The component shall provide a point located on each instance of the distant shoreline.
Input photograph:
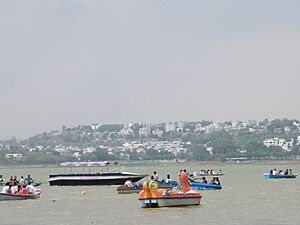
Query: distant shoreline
(143, 163)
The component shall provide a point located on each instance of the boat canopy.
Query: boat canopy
(86, 164)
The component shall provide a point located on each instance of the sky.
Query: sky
(78, 62)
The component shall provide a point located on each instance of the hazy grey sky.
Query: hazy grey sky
(77, 62)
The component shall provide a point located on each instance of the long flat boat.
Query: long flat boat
(9, 197)
(278, 176)
(104, 178)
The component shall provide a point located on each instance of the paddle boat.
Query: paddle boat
(204, 173)
(152, 196)
(279, 176)
(196, 185)
(10, 197)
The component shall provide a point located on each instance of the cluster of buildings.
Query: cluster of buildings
(122, 140)
(180, 127)
(282, 143)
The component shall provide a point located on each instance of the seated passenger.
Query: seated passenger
(6, 188)
(129, 183)
(155, 175)
(23, 190)
(28, 179)
(274, 172)
(168, 180)
(14, 189)
(151, 179)
(30, 188)
(217, 181)
(290, 173)
(191, 177)
(22, 181)
(204, 180)
(286, 172)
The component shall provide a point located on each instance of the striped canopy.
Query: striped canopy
(85, 164)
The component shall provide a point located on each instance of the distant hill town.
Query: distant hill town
(172, 141)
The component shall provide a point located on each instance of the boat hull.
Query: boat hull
(271, 176)
(93, 179)
(169, 202)
(8, 197)
(203, 186)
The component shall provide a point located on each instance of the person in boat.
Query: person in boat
(274, 172)
(185, 184)
(23, 190)
(155, 175)
(30, 188)
(286, 172)
(15, 179)
(151, 179)
(290, 173)
(271, 172)
(7, 188)
(14, 188)
(28, 179)
(1, 178)
(22, 181)
(204, 180)
(129, 183)
(179, 186)
(168, 180)
(217, 181)
(191, 177)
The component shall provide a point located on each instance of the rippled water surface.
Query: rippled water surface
(246, 198)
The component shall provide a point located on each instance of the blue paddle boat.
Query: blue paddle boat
(195, 185)
(278, 176)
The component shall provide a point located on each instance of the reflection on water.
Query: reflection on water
(246, 198)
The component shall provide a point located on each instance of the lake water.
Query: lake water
(246, 198)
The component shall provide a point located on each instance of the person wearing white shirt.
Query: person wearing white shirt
(30, 188)
(14, 189)
(168, 180)
(129, 183)
(6, 189)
